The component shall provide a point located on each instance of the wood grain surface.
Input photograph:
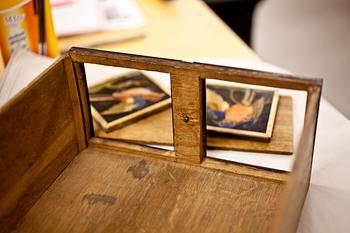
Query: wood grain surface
(80, 78)
(38, 139)
(103, 191)
(204, 71)
(220, 165)
(158, 129)
(75, 101)
(233, 75)
(187, 114)
(120, 187)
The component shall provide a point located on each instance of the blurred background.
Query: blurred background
(309, 38)
(306, 37)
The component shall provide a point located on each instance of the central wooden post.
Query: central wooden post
(188, 99)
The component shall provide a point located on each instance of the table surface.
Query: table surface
(179, 29)
(175, 29)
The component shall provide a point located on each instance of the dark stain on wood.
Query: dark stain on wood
(93, 198)
(139, 170)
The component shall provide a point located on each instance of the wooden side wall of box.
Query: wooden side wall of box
(41, 131)
(298, 185)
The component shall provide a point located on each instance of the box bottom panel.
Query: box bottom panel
(108, 191)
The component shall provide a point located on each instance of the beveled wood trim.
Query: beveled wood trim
(75, 101)
(80, 76)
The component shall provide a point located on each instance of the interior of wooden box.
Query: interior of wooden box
(56, 177)
(104, 190)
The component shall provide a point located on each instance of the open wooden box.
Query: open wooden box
(56, 177)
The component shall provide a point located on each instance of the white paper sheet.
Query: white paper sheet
(85, 16)
(78, 17)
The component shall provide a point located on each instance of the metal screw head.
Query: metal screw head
(185, 118)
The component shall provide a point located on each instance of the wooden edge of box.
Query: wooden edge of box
(292, 204)
(150, 152)
(52, 134)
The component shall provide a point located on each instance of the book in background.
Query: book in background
(27, 24)
(23, 67)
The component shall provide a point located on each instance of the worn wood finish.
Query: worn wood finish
(151, 152)
(133, 149)
(227, 74)
(157, 129)
(38, 139)
(246, 170)
(117, 186)
(80, 78)
(298, 185)
(202, 70)
(103, 191)
(187, 115)
(75, 101)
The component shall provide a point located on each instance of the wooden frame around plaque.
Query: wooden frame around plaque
(261, 129)
(132, 112)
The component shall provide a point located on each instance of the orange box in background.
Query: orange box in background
(20, 21)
